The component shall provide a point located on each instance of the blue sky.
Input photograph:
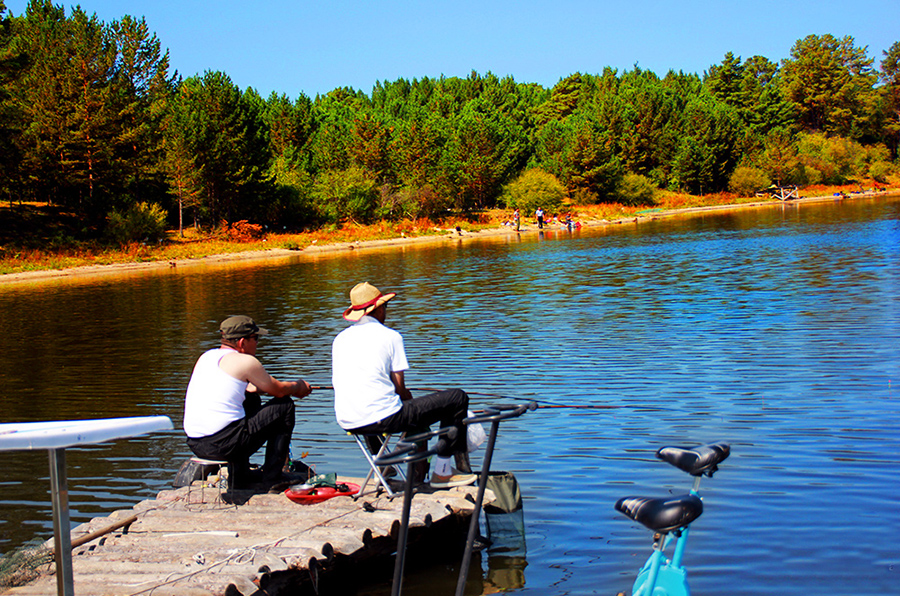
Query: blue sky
(295, 47)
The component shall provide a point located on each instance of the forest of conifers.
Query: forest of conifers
(93, 120)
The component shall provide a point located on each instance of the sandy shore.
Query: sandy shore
(279, 254)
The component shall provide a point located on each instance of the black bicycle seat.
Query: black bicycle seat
(662, 515)
(696, 461)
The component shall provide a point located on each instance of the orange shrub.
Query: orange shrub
(244, 231)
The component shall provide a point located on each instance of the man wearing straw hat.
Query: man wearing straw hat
(370, 395)
(224, 418)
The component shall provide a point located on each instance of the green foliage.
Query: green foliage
(292, 203)
(831, 83)
(416, 150)
(534, 188)
(745, 181)
(830, 160)
(221, 131)
(881, 170)
(482, 153)
(643, 116)
(413, 203)
(752, 88)
(290, 123)
(563, 100)
(707, 153)
(140, 222)
(345, 195)
(12, 63)
(582, 155)
(89, 97)
(635, 189)
(890, 77)
(780, 159)
(692, 171)
(369, 144)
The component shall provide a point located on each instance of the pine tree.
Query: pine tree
(12, 63)
(91, 124)
(143, 88)
(40, 99)
(890, 77)
(831, 82)
(223, 132)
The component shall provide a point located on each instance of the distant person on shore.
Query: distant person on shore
(539, 214)
(224, 417)
(569, 221)
(370, 394)
(516, 218)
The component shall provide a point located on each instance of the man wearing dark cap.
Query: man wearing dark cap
(223, 415)
(370, 395)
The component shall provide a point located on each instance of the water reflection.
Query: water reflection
(776, 330)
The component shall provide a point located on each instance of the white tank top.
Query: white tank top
(214, 399)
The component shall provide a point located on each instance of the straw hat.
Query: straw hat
(364, 298)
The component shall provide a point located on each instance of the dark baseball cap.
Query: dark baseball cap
(240, 326)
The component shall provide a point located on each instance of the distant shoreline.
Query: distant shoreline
(96, 271)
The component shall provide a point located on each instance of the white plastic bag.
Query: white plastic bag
(475, 434)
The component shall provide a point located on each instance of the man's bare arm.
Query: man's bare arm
(247, 368)
(400, 386)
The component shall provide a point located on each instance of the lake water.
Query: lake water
(775, 329)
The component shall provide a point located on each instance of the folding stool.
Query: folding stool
(373, 469)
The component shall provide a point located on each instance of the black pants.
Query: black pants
(448, 407)
(271, 424)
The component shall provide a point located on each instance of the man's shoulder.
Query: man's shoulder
(238, 365)
(367, 333)
(368, 326)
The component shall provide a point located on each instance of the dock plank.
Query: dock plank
(183, 545)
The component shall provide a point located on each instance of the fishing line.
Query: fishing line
(542, 403)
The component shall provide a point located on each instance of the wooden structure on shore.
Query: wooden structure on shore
(782, 193)
(191, 542)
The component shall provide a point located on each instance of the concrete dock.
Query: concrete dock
(193, 542)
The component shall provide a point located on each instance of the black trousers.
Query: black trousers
(448, 407)
(271, 424)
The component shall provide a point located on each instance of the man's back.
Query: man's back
(363, 357)
(214, 398)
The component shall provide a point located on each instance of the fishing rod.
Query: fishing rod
(540, 402)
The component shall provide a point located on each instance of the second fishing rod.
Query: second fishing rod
(542, 403)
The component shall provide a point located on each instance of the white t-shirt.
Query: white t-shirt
(363, 356)
(214, 399)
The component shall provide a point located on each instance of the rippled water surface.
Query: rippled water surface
(776, 330)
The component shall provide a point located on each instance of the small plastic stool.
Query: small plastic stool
(222, 478)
